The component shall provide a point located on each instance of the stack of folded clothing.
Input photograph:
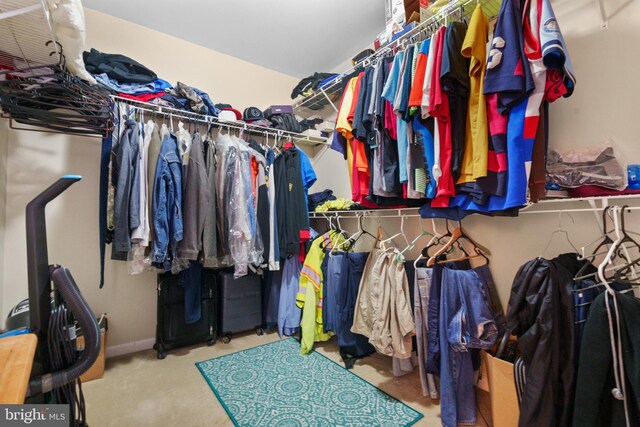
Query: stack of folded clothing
(123, 75)
(130, 79)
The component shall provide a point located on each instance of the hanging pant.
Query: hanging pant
(466, 322)
(422, 286)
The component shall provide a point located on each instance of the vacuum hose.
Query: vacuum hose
(78, 307)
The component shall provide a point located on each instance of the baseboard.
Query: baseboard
(130, 347)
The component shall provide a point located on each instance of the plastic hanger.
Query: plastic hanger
(385, 241)
(435, 237)
(456, 235)
(347, 240)
(412, 244)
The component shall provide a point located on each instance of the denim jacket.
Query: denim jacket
(126, 216)
(167, 201)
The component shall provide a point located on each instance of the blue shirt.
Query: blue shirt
(423, 132)
(554, 49)
(391, 86)
(508, 73)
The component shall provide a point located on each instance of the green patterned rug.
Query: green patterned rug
(273, 385)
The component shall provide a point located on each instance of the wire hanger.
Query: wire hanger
(562, 231)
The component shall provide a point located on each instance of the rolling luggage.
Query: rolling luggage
(240, 304)
(172, 331)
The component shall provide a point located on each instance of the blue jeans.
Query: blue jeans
(352, 268)
(433, 316)
(466, 322)
(332, 273)
(273, 282)
(191, 281)
(289, 315)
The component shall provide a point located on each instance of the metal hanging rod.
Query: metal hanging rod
(409, 212)
(449, 9)
(211, 120)
(376, 213)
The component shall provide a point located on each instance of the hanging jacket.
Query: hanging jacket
(290, 201)
(126, 215)
(210, 244)
(222, 145)
(167, 203)
(262, 198)
(540, 313)
(595, 403)
(382, 310)
(310, 291)
(274, 244)
(196, 199)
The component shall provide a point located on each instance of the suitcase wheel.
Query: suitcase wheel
(161, 351)
(259, 331)
(211, 341)
(226, 339)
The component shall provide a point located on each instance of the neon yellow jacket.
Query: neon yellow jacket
(309, 297)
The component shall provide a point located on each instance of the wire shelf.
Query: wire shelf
(27, 40)
(457, 9)
(298, 138)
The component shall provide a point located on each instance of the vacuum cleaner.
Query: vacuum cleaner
(56, 312)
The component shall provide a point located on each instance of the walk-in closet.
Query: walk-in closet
(298, 213)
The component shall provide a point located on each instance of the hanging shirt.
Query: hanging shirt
(454, 78)
(436, 172)
(423, 135)
(439, 108)
(350, 145)
(415, 96)
(343, 127)
(402, 111)
(554, 48)
(474, 163)
(343, 131)
(506, 74)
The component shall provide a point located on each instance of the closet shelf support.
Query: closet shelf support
(603, 14)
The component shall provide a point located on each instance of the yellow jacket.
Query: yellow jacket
(309, 297)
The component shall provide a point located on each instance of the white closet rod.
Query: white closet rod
(397, 213)
(210, 120)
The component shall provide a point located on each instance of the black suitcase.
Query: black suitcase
(240, 304)
(171, 329)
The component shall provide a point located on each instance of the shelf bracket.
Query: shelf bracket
(596, 210)
(329, 99)
(603, 15)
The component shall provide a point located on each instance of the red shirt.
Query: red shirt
(439, 108)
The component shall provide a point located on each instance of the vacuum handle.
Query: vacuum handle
(80, 309)
(53, 191)
(38, 261)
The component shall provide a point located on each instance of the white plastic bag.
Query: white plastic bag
(602, 165)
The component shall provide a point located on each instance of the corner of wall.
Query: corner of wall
(4, 144)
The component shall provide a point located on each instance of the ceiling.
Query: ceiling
(295, 37)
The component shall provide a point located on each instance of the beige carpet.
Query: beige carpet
(139, 390)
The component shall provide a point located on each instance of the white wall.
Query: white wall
(36, 159)
(604, 105)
